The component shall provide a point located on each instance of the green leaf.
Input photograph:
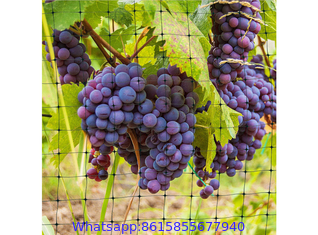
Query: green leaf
(140, 15)
(121, 16)
(204, 139)
(61, 14)
(99, 9)
(60, 141)
(269, 17)
(161, 59)
(185, 6)
(201, 17)
(119, 37)
(146, 55)
(222, 119)
(203, 134)
(271, 4)
(151, 7)
(47, 228)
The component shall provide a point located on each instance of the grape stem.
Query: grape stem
(269, 122)
(261, 45)
(99, 40)
(102, 49)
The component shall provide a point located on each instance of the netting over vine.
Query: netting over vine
(160, 115)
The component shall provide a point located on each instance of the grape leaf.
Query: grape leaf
(60, 141)
(99, 9)
(146, 55)
(224, 119)
(269, 17)
(161, 61)
(151, 7)
(61, 14)
(201, 17)
(140, 15)
(119, 37)
(185, 6)
(220, 121)
(271, 4)
(204, 139)
(121, 16)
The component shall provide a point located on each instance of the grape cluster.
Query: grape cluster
(73, 63)
(159, 110)
(252, 97)
(100, 161)
(234, 29)
(264, 95)
(109, 102)
(169, 127)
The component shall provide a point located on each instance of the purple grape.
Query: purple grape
(162, 160)
(138, 83)
(172, 115)
(161, 125)
(122, 79)
(145, 107)
(135, 71)
(163, 104)
(149, 120)
(153, 186)
(163, 91)
(108, 80)
(115, 103)
(127, 95)
(165, 79)
(150, 174)
(116, 117)
(173, 127)
(215, 184)
(65, 37)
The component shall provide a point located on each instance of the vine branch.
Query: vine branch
(261, 45)
(107, 56)
(99, 40)
(269, 122)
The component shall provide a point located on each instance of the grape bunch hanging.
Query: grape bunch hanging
(235, 26)
(244, 88)
(73, 63)
(158, 110)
